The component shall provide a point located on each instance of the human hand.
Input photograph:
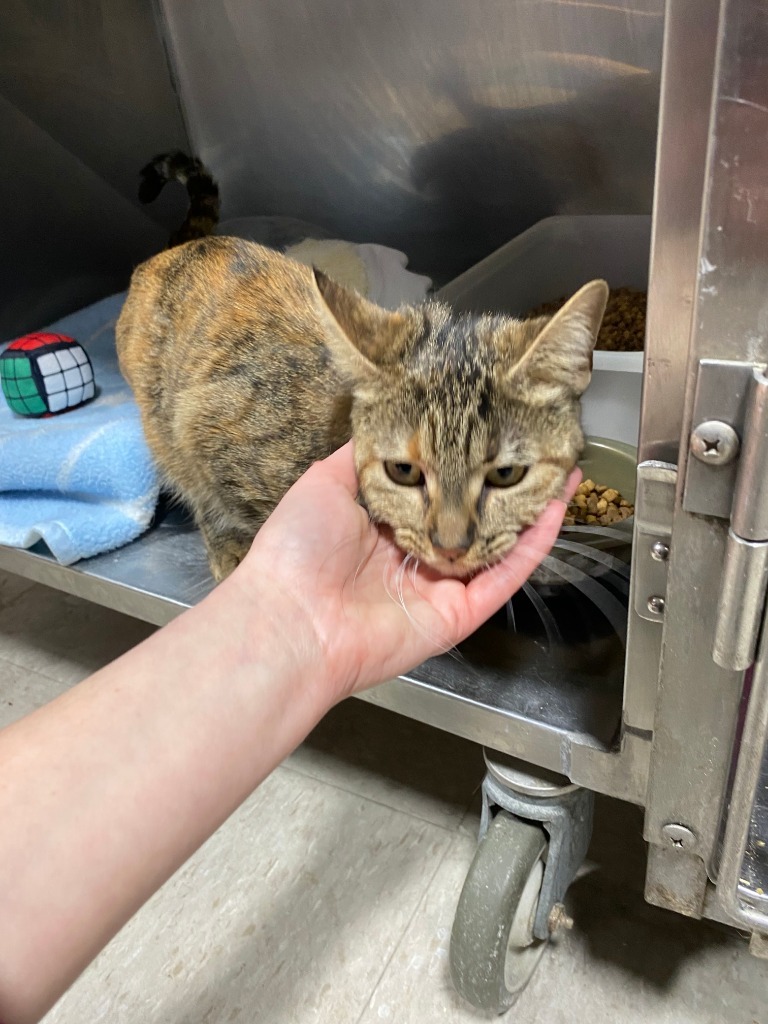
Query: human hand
(358, 609)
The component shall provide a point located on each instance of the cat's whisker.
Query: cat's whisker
(399, 575)
(511, 623)
(414, 570)
(399, 579)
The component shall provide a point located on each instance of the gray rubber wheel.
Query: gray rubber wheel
(493, 951)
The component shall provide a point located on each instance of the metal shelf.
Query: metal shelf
(520, 684)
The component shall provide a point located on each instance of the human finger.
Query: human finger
(488, 591)
(340, 467)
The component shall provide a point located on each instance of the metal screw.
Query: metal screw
(715, 443)
(679, 836)
(559, 918)
(656, 604)
(660, 551)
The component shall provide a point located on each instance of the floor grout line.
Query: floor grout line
(37, 672)
(450, 829)
(404, 932)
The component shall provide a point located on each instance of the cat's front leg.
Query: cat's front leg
(226, 548)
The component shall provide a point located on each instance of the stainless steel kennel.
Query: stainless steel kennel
(446, 129)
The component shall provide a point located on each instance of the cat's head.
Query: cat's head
(464, 426)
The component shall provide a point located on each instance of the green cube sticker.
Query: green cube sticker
(10, 388)
(27, 387)
(35, 406)
(20, 368)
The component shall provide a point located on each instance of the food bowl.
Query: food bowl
(592, 551)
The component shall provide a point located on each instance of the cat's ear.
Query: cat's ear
(559, 359)
(362, 336)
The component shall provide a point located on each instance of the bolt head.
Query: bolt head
(660, 551)
(715, 443)
(656, 604)
(679, 836)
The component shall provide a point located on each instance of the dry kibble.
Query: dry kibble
(623, 326)
(597, 505)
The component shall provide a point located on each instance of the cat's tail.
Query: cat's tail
(203, 213)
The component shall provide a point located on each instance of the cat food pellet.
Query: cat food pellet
(623, 327)
(597, 505)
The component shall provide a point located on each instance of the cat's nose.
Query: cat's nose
(454, 552)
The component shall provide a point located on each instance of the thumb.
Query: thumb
(338, 467)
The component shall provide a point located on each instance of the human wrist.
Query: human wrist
(271, 629)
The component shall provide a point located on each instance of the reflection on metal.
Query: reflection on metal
(441, 127)
(741, 602)
(750, 502)
(85, 99)
(744, 898)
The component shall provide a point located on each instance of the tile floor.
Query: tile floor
(328, 898)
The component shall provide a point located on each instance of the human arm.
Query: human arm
(106, 791)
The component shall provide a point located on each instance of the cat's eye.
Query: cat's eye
(505, 476)
(406, 473)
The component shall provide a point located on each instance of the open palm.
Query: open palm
(375, 613)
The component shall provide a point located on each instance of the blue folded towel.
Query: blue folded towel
(83, 481)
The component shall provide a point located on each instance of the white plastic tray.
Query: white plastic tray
(554, 258)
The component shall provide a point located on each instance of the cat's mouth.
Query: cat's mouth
(455, 564)
(456, 569)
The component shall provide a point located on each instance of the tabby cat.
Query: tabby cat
(248, 367)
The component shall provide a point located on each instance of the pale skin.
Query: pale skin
(107, 790)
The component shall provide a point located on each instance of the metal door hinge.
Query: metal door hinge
(745, 567)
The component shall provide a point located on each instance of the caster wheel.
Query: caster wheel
(493, 950)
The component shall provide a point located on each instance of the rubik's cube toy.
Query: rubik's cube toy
(43, 374)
